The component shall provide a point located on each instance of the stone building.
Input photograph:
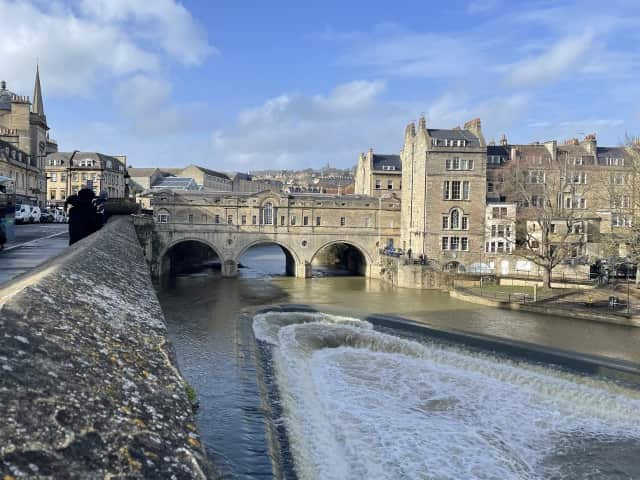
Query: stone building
(207, 180)
(444, 193)
(596, 186)
(246, 183)
(23, 125)
(378, 174)
(16, 164)
(68, 172)
(500, 238)
(141, 179)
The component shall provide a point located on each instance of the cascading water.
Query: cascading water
(358, 403)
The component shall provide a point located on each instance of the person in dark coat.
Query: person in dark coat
(83, 216)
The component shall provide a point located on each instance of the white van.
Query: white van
(27, 214)
(23, 214)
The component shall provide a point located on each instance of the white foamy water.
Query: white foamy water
(361, 404)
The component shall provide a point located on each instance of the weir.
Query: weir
(360, 403)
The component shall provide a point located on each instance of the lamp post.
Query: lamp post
(628, 291)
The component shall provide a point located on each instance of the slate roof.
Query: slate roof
(498, 150)
(141, 172)
(380, 161)
(100, 159)
(620, 152)
(208, 171)
(455, 134)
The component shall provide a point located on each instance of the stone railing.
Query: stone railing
(89, 386)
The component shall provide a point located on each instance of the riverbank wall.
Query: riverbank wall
(395, 272)
(546, 309)
(90, 386)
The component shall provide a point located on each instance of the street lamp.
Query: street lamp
(627, 265)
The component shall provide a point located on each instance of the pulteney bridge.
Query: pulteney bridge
(227, 224)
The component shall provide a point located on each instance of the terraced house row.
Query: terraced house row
(471, 205)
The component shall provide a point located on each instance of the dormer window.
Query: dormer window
(85, 162)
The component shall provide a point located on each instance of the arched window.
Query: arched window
(266, 214)
(455, 219)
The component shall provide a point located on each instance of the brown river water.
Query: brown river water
(217, 353)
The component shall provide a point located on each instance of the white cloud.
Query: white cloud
(563, 57)
(395, 51)
(163, 21)
(295, 130)
(148, 110)
(83, 48)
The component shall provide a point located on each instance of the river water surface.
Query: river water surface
(376, 405)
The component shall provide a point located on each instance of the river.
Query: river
(216, 352)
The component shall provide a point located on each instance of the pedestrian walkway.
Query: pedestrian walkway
(27, 252)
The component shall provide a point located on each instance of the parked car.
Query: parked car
(46, 216)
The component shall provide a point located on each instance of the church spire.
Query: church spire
(37, 106)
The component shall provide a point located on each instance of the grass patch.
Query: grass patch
(192, 396)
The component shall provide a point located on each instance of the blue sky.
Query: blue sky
(283, 84)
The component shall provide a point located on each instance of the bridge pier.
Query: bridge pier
(303, 270)
(229, 268)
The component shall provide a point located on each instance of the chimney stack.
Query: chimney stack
(591, 143)
(422, 123)
(503, 140)
(475, 127)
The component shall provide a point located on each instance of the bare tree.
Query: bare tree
(551, 198)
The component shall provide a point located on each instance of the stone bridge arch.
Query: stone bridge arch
(360, 248)
(163, 261)
(296, 264)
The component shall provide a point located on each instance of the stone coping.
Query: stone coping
(89, 386)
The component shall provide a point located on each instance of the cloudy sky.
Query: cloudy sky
(280, 84)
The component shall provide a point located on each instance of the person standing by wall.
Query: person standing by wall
(83, 216)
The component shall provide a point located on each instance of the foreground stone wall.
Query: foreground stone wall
(88, 382)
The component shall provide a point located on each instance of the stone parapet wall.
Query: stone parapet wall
(89, 386)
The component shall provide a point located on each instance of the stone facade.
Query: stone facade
(16, 164)
(23, 125)
(444, 193)
(301, 224)
(68, 172)
(500, 238)
(208, 180)
(378, 175)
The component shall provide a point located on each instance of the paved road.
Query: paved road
(33, 245)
